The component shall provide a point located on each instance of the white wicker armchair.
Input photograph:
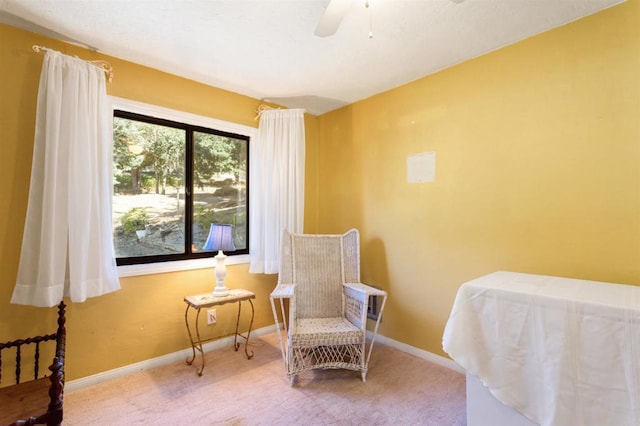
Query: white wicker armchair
(320, 277)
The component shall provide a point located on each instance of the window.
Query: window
(174, 175)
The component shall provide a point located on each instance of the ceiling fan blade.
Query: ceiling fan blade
(332, 17)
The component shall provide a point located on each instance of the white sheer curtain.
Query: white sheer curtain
(277, 194)
(67, 247)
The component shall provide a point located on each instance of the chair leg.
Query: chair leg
(364, 377)
(292, 380)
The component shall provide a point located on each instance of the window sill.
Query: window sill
(176, 266)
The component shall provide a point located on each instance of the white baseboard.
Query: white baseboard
(420, 353)
(148, 364)
(182, 355)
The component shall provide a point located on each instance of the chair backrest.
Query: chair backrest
(319, 265)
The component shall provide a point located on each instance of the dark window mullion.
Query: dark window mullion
(188, 199)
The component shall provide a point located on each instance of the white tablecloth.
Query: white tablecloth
(560, 351)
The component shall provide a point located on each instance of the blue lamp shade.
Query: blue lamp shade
(220, 238)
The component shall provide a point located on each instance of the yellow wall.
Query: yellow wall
(146, 318)
(537, 170)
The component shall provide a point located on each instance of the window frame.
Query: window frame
(197, 262)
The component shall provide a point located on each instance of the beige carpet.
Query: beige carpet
(401, 389)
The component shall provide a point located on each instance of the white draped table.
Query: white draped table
(559, 351)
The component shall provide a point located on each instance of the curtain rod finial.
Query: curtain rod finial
(262, 108)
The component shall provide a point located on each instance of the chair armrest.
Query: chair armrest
(362, 291)
(283, 291)
(357, 301)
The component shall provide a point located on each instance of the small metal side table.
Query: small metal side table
(206, 300)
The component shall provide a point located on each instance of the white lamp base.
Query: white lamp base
(221, 272)
(220, 291)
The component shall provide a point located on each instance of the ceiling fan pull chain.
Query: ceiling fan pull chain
(366, 4)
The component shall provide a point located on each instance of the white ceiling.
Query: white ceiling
(267, 49)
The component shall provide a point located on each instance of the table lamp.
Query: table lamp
(220, 238)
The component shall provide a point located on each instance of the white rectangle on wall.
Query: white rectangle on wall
(421, 167)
